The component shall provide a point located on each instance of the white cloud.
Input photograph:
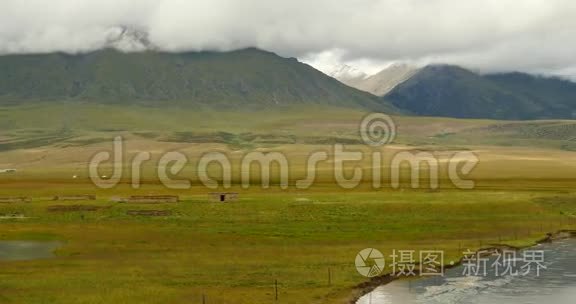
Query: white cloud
(530, 35)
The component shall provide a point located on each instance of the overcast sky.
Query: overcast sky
(489, 35)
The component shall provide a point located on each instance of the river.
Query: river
(555, 285)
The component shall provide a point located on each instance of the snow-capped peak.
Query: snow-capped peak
(128, 39)
(345, 72)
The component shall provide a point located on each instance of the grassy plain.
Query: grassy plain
(233, 253)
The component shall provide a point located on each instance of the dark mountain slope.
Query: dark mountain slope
(452, 91)
(557, 97)
(455, 92)
(231, 79)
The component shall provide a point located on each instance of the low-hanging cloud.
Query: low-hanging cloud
(491, 35)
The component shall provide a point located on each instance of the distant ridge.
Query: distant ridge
(378, 84)
(386, 80)
(452, 91)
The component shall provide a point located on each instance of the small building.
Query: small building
(224, 197)
(8, 170)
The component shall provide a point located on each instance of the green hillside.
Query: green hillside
(232, 79)
(451, 91)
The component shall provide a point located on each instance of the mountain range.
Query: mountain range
(237, 79)
(453, 91)
(253, 78)
(132, 70)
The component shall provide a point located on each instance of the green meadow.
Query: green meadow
(301, 241)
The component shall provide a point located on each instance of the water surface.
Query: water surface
(555, 285)
(26, 250)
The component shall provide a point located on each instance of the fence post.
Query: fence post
(276, 289)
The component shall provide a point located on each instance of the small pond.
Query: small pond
(27, 250)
